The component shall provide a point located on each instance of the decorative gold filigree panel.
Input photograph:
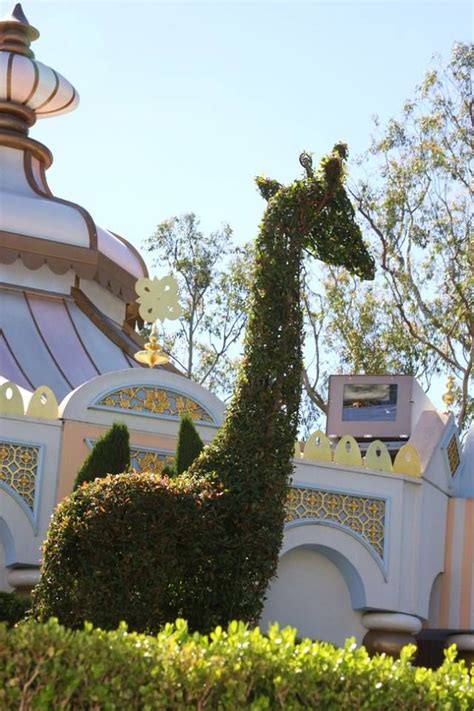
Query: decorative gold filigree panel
(19, 469)
(362, 514)
(155, 401)
(149, 461)
(452, 452)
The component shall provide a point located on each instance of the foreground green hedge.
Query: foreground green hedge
(49, 667)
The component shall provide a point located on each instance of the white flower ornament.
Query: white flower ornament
(158, 299)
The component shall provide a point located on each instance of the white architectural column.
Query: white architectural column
(389, 632)
(465, 645)
(23, 579)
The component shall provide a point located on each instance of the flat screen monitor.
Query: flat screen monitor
(370, 402)
(374, 405)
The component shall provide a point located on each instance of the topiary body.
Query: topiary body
(122, 547)
(238, 485)
(109, 455)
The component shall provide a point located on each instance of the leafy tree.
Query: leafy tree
(213, 277)
(418, 316)
(109, 455)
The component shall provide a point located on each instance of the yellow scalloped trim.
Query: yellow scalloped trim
(43, 404)
(378, 457)
(407, 461)
(318, 448)
(347, 452)
(11, 401)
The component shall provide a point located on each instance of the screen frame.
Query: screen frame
(400, 427)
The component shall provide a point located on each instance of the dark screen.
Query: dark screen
(370, 402)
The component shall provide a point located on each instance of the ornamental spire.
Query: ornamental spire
(28, 89)
(16, 33)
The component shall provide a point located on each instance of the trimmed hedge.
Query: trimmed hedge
(13, 607)
(188, 448)
(190, 444)
(130, 547)
(48, 667)
(109, 455)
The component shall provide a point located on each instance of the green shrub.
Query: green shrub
(13, 607)
(48, 667)
(188, 448)
(109, 554)
(189, 445)
(109, 455)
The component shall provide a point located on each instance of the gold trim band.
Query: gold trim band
(14, 140)
(16, 117)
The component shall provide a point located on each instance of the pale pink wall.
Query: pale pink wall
(456, 606)
(75, 449)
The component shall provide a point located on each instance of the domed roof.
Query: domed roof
(68, 301)
(36, 226)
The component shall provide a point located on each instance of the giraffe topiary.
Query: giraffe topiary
(231, 501)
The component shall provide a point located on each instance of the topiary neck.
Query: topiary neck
(271, 370)
(262, 419)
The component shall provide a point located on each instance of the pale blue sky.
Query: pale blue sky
(183, 103)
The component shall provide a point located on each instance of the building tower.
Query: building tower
(67, 285)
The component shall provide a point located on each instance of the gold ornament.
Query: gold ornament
(152, 355)
(449, 397)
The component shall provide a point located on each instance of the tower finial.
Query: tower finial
(16, 33)
(26, 91)
(18, 14)
(449, 397)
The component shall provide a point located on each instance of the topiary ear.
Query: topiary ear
(342, 150)
(268, 187)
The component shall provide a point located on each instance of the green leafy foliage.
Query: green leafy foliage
(13, 607)
(109, 455)
(189, 445)
(206, 544)
(366, 331)
(47, 667)
(126, 547)
(213, 278)
(415, 203)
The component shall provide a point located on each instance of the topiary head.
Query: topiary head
(317, 208)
